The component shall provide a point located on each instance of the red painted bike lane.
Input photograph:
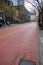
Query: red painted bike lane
(20, 42)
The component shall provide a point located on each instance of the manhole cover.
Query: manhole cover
(25, 62)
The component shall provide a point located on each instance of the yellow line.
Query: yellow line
(5, 36)
(8, 34)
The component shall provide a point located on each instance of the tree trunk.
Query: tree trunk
(40, 20)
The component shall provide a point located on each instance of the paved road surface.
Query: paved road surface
(19, 42)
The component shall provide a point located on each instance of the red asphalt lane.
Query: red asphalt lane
(19, 42)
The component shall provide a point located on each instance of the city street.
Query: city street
(21, 32)
(19, 42)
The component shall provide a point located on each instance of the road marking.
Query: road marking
(8, 34)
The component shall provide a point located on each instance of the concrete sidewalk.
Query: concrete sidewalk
(41, 45)
(7, 26)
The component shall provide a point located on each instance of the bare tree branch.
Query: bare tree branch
(38, 6)
(33, 5)
(38, 3)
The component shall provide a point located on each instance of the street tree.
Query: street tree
(38, 5)
(8, 10)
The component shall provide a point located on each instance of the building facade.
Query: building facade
(9, 2)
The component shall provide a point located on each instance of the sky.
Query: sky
(16, 2)
(30, 8)
(27, 5)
